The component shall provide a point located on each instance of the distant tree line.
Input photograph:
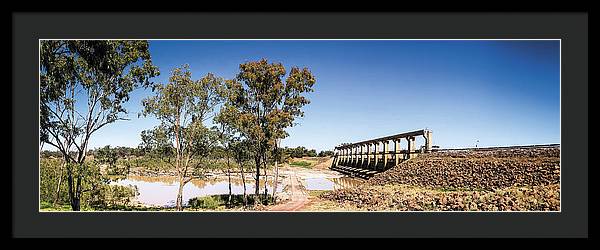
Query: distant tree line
(127, 152)
(301, 151)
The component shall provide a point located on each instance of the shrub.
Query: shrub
(206, 202)
(301, 163)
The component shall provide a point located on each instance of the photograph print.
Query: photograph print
(299, 125)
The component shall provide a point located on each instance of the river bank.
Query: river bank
(157, 189)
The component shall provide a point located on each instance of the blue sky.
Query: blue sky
(497, 91)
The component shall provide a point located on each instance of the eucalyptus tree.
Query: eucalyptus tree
(182, 139)
(227, 136)
(234, 143)
(264, 105)
(83, 87)
(241, 150)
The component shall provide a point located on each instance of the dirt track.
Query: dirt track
(298, 197)
(295, 196)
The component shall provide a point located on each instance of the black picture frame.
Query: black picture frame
(571, 28)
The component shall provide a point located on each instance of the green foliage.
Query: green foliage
(97, 192)
(242, 151)
(263, 103)
(150, 163)
(299, 152)
(84, 85)
(157, 142)
(260, 105)
(103, 72)
(206, 202)
(91, 180)
(111, 195)
(301, 163)
(48, 206)
(121, 167)
(327, 153)
(106, 155)
(121, 152)
(50, 172)
(182, 106)
(183, 97)
(51, 154)
(217, 202)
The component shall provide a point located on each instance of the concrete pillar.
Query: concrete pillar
(334, 157)
(361, 161)
(348, 155)
(357, 161)
(364, 157)
(375, 154)
(357, 151)
(384, 155)
(397, 151)
(428, 142)
(411, 146)
(353, 156)
(368, 155)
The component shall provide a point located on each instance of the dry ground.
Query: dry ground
(497, 180)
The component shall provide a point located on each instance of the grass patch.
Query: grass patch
(316, 193)
(219, 202)
(303, 164)
(47, 206)
(132, 208)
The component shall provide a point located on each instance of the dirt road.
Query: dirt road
(298, 197)
(294, 195)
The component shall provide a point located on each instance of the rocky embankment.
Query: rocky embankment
(477, 170)
(504, 179)
(409, 198)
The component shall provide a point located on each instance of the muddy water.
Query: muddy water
(162, 191)
(331, 183)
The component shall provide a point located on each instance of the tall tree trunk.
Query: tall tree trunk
(70, 184)
(78, 191)
(180, 174)
(229, 179)
(59, 183)
(257, 180)
(179, 202)
(243, 183)
(257, 185)
(73, 198)
(275, 182)
(75, 204)
(266, 179)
